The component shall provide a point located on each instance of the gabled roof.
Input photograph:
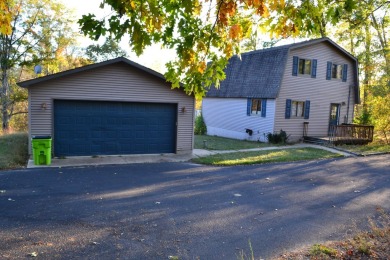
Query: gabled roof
(28, 83)
(258, 74)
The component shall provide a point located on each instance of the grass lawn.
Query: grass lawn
(13, 151)
(367, 149)
(285, 155)
(221, 143)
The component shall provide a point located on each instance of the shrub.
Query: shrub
(363, 118)
(200, 126)
(277, 138)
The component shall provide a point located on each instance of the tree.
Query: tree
(364, 33)
(108, 50)
(255, 43)
(205, 34)
(380, 111)
(40, 33)
(7, 8)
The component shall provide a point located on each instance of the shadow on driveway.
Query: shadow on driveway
(153, 211)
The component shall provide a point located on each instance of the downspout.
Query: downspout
(348, 104)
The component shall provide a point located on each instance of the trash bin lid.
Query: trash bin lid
(41, 137)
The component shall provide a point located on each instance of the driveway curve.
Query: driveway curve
(161, 210)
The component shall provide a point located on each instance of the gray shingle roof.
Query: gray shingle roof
(257, 75)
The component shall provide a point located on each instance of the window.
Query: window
(304, 66)
(337, 71)
(297, 108)
(256, 106)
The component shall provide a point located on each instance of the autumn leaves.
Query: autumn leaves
(7, 9)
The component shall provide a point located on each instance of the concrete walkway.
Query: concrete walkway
(112, 160)
(204, 153)
(156, 158)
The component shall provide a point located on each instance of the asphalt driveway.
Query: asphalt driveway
(154, 211)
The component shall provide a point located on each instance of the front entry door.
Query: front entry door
(334, 116)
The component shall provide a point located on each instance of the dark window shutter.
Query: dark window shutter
(329, 70)
(288, 109)
(345, 71)
(248, 106)
(307, 109)
(263, 107)
(295, 66)
(314, 68)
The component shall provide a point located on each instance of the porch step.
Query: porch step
(315, 140)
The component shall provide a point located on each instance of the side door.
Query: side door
(334, 116)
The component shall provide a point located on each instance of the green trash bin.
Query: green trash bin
(41, 150)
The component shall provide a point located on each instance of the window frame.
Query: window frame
(302, 72)
(305, 108)
(294, 114)
(308, 68)
(337, 70)
(343, 71)
(259, 106)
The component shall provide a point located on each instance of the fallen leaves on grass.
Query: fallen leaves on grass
(372, 244)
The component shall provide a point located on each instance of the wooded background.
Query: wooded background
(204, 34)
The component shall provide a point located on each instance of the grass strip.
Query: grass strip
(221, 143)
(259, 157)
(367, 149)
(13, 151)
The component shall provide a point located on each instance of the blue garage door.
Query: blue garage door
(103, 128)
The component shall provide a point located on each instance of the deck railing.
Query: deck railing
(351, 134)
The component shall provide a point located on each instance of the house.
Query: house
(305, 86)
(108, 108)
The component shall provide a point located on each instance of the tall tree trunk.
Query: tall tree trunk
(381, 33)
(367, 66)
(5, 101)
(351, 42)
(5, 90)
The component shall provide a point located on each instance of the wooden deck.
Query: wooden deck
(345, 134)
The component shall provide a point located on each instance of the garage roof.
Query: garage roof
(29, 83)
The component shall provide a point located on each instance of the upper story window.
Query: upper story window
(336, 71)
(304, 66)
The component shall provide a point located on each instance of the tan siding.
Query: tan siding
(117, 82)
(319, 91)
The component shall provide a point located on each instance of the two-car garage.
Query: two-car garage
(103, 128)
(110, 108)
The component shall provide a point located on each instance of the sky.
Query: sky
(153, 56)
